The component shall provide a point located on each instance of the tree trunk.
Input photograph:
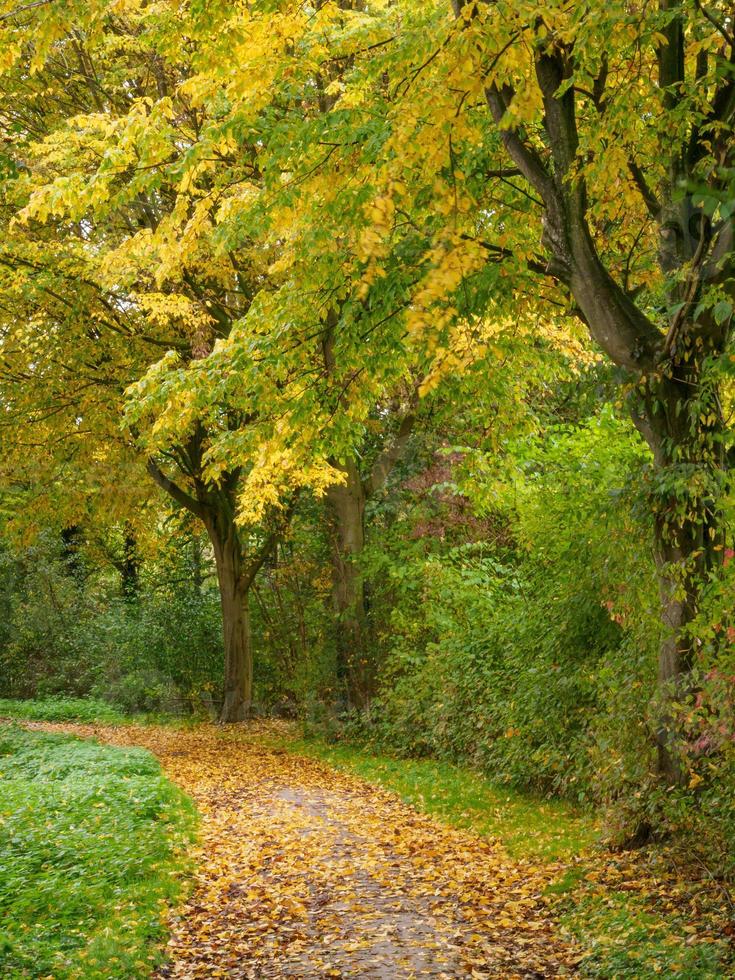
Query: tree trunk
(215, 506)
(682, 424)
(71, 543)
(675, 660)
(346, 503)
(130, 566)
(234, 594)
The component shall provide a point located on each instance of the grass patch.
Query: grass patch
(524, 825)
(626, 937)
(87, 710)
(93, 843)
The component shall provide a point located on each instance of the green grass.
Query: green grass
(525, 825)
(93, 844)
(62, 709)
(625, 937)
(87, 711)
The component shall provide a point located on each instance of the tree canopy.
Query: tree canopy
(408, 310)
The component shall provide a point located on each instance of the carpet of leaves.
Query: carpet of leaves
(305, 872)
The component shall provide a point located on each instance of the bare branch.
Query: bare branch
(24, 8)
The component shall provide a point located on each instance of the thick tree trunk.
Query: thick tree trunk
(677, 589)
(346, 503)
(234, 594)
(682, 424)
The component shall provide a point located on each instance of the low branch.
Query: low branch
(257, 561)
(174, 490)
(388, 458)
(652, 203)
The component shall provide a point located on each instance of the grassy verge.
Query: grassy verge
(526, 826)
(92, 847)
(630, 914)
(638, 937)
(86, 710)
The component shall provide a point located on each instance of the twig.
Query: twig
(22, 10)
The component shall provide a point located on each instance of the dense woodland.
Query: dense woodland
(369, 363)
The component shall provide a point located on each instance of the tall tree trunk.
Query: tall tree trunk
(130, 565)
(682, 424)
(346, 503)
(215, 506)
(234, 588)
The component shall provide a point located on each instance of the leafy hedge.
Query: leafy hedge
(513, 659)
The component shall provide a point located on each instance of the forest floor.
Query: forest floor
(308, 871)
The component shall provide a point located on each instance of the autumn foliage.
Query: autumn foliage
(370, 363)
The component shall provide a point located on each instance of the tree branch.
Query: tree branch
(174, 490)
(525, 158)
(652, 203)
(257, 561)
(714, 22)
(388, 458)
(22, 9)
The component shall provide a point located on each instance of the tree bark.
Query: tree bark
(346, 502)
(215, 507)
(234, 588)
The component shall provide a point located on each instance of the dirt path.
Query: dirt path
(305, 872)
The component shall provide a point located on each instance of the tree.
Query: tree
(680, 111)
(110, 258)
(569, 161)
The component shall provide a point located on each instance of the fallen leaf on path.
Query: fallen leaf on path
(305, 872)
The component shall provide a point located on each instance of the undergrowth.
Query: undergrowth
(92, 850)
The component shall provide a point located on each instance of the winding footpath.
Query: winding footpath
(305, 872)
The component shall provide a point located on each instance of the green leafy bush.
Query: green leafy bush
(515, 657)
(160, 652)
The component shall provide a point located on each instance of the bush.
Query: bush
(533, 660)
(162, 652)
